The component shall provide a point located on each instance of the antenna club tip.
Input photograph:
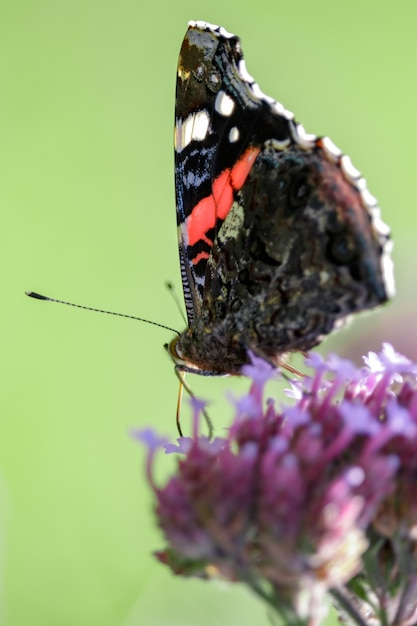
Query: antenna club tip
(34, 294)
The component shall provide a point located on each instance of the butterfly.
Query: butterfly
(279, 239)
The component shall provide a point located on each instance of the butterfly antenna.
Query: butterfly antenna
(174, 294)
(38, 296)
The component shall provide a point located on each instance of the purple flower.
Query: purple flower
(294, 502)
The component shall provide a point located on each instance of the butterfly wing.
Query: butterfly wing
(279, 238)
(297, 254)
(220, 126)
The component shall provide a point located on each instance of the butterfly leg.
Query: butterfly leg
(280, 365)
(180, 373)
(181, 378)
(291, 369)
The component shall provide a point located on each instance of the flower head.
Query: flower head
(296, 498)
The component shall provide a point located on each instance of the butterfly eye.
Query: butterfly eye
(299, 191)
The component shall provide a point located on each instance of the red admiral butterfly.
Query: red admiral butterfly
(279, 238)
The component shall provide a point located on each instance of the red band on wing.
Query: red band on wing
(200, 256)
(216, 206)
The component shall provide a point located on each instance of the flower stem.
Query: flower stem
(278, 605)
(345, 603)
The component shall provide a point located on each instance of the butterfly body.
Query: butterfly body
(279, 239)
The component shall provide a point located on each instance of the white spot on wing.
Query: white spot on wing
(380, 226)
(388, 270)
(207, 26)
(303, 139)
(333, 153)
(244, 72)
(277, 144)
(224, 104)
(367, 198)
(200, 126)
(349, 170)
(193, 128)
(225, 33)
(281, 110)
(359, 183)
(324, 277)
(259, 93)
(234, 134)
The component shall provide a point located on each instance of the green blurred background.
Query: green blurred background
(87, 205)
